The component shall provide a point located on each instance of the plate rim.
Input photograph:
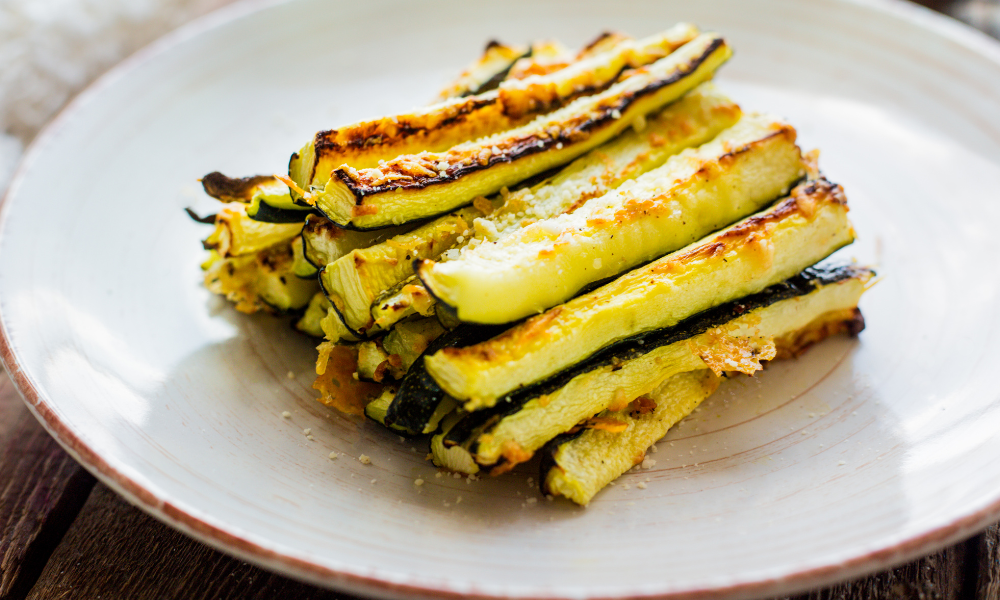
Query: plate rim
(201, 528)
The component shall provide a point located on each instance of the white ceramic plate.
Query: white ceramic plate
(857, 456)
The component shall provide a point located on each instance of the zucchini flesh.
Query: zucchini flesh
(375, 364)
(694, 119)
(407, 298)
(358, 278)
(580, 464)
(487, 72)
(262, 281)
(300, 264)
(743, 259)
(458, 120)
(310, 322)
(695, 192)
(453, 458)
(732, 337)
(418, 186)
(409, 339)
(323, 242)
(236, 234)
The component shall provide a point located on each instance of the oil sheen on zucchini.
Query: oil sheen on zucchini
(417, 186)
(732, 337)
(743, 259)
(441, 126)
(694, 119)
(580, 464)
(695, 192)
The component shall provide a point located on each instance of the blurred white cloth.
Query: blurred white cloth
(51, 49)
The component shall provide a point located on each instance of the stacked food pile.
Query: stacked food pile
(562, 256)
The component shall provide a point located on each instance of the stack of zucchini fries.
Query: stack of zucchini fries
(561, 257)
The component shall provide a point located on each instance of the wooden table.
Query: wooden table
(63, 535)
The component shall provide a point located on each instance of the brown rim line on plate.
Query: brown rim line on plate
(204, 529)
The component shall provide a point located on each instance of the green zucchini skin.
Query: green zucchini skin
(494, 82)
(627, 349)
(262, 211)
(419, 395)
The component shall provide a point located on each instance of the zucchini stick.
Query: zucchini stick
(580, 464)
(267, 198)
(487, 72)
(695, 192)
(441, 126)
(694, 119)
(417, 186)
(732, 337)
(745, 258)
(236, 234)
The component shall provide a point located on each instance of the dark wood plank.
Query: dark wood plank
(115, 551)
(987, 580)
(41, 491)
(941, 576)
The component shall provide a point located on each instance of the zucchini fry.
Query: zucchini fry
(735, 336)
(745, 258)
(578, 465)
(487, 72)
(267, 198)
(443, 125)
(693, 120)
(695, 192)
(417, 186)
(354, 281)
(236, 234)
(261, 281)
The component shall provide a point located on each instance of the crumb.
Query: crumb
(286, 415)
(364, 459)
(648, 463)
(306, 431)
(373, 481)
(418, 482)
(458, 500)
(402, 439)
(641, 485)
(626, 486)
(310, 438)
(548, 497)
(355, 376)
(438, 474)
(456, 475)
(532, 500)
(332, 456)
(291, 375)
(841, 463)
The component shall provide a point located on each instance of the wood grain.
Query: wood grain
(114, 551)
(987, 580)
(41, 490)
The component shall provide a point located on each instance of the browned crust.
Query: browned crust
(417, 171)
(803, 199)
(233, 189)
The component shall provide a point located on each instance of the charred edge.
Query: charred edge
(371, 134)
(534, 145)
(224, 188)
(362, 336)
(419, 395)
(548, 460)
(633, 347)
(857, 323)
(321, 223)
(207, 219)
(600, 38)
(272, 214)
(494, 82)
